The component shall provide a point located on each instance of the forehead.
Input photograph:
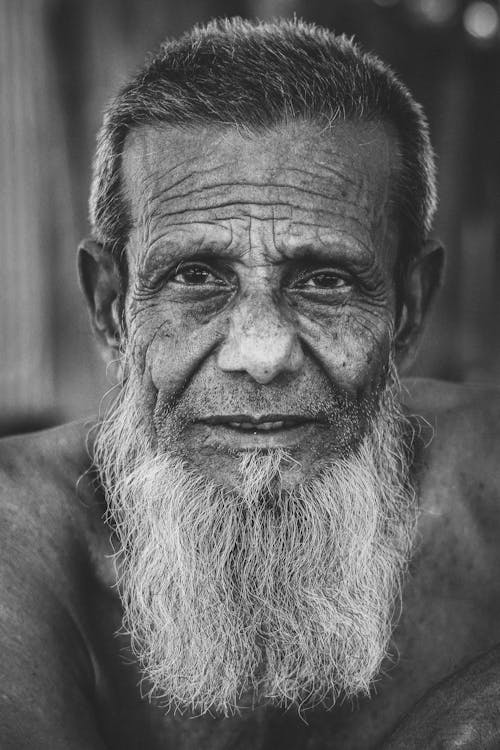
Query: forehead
(301, 182)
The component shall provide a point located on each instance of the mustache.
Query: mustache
(259, 404)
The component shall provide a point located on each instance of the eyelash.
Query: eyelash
(346, 281)
(186, 266)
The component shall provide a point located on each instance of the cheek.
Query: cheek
(173, 347)
(352, 347)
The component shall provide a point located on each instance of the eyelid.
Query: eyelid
(215, 269)
(306, 275)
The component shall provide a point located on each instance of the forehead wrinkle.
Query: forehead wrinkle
(194, 176)
(140, 169)
(393, 162)
(385, 136)
(199, 215)
(210, 193)
(365, 217)
(140, 150)
(159, 212)
(151, 165)
(268, 180)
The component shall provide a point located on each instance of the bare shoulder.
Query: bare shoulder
(46, 667)
(45, 504)
(50, 514)
(458, 454)
(39, 478)
(464, 419)
(445, 397)
(63, 447)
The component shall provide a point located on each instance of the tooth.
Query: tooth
(271, 425)
(261, 426)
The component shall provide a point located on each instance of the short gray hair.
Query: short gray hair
(254, 75)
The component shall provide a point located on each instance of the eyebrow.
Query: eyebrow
(177, 248)
(329, 249)
(326, 249)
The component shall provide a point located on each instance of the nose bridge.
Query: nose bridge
(262, 339)
(259, 314)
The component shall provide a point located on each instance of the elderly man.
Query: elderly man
(219, 562)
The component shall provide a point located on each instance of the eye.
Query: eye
(195, 274)
(324, 279)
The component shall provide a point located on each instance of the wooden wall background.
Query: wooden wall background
(60, 60)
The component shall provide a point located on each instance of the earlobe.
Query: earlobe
(421, 283)
(101, 284)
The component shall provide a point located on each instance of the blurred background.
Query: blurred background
(61, 60)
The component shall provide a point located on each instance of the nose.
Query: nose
(261, 341)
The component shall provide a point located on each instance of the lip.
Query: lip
(243, 431)
(262, 423)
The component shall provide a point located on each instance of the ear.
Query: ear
(101, 283)
(420, 284)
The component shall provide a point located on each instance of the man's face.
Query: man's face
(260, 305)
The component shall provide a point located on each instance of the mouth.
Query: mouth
(263, 423)
(243, 431)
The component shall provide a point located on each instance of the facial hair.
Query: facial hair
(286, 596)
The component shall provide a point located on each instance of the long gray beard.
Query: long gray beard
(284, 596)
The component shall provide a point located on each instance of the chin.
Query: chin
(216, 452)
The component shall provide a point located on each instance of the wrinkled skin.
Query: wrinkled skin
(292, 300)
(260, 280)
